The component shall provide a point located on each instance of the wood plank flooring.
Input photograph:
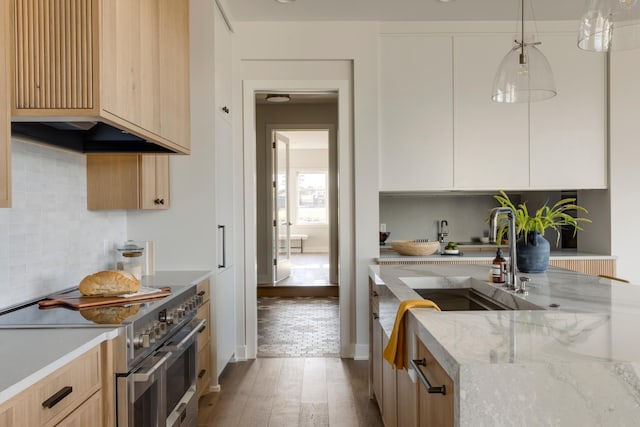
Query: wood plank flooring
(292, 392)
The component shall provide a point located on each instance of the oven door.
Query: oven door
(181, 397)
(141, 393)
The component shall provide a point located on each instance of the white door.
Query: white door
(281, 222)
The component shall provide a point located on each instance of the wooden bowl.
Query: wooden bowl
(412, 248)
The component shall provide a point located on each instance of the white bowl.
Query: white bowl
(452, 251)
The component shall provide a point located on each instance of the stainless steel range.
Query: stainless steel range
(155, 356)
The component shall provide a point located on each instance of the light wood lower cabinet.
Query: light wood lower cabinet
(71, 396)
(407, 397)
(204, 340)
(127, 181)
(389, 396)
(5, 109)
(435, 409)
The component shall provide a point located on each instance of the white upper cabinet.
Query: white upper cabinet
(491, 148)
(568, 132)
(223, 55)
(416, 111)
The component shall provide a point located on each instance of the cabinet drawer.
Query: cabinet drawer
(67, 387)
(203, 371)
(205, 335)
(203, 289)
(86, 414)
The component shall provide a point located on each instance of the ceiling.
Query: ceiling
(401, 10)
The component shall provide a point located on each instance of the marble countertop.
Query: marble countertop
(390, 256)
(29, 355)
(574, 361)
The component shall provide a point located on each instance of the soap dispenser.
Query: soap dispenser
(499, 268)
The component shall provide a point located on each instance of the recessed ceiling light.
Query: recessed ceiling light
(278, 97)
(445, 1)
(285, 1)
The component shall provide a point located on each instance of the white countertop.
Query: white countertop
(577, 364)
(29, 355)
(484, 256)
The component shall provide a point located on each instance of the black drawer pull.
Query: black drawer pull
(201, 293)
(374, 293)
(375, 316)
(202, 373)
(423, 379)
(56, 398)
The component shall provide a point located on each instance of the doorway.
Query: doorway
(257, 193)
(298, 305)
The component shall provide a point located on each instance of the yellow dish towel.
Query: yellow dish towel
(394, 353)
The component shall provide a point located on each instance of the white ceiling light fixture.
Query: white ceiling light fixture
(278, 97)
(285, 1)
(524, 74)
(610, 25)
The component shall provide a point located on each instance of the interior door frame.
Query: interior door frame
(332, 184)
(346, 197)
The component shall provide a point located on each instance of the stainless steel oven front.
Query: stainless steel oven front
(160, 391)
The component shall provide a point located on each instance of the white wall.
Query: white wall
(49, 240)
(262, 50)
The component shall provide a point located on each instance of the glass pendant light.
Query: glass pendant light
(524, 74)
(610, 25)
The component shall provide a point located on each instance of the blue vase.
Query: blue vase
(533, 254)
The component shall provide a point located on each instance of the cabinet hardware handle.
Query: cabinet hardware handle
(374, 293)
(201, 293)
(423, 379)
(225, 109)
(375, 316)
(159, 201)
(56, 398)
(224, 246)
(202, 373)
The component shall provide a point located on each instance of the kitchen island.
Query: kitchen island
(572, 361)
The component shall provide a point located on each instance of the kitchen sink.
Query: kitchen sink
(463, 293)
(461, 299)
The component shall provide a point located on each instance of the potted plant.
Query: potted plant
(532, 249)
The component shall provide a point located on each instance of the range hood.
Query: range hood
(86, 137)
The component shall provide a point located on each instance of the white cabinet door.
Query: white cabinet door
(222, 52)
(416, 113)
(568, 132)
(491, 149)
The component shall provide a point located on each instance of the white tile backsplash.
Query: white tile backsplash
(49, 240)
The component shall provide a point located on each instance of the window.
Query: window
(311, 189)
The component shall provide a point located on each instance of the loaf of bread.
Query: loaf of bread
(109, 283)
(109, 315)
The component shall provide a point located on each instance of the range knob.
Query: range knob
(142, 341)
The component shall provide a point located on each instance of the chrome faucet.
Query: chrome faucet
(493, 231)
(444, 231)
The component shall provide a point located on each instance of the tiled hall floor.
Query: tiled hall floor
(298, 327)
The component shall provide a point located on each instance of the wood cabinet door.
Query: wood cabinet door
(130, 61)
(173, 71)
(377, 361)
(154, 192)
(568, 131)
(416, 112)
(86, 414)
(435, 409)
(491, 149)
(389, 395)
(407, 397)
(5, 108)
(113, 181)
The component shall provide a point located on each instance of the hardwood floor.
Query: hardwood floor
(292, 392)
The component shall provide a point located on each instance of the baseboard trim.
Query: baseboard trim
(298, 291)
(361, 352)
(241, 354)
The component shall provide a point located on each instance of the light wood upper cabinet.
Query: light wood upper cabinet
(122, 62)
(568, 131)
(5, 108)
(127, 181)
(491, 139)
(416, 111)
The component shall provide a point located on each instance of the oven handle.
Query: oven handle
(196, 330)
(146, 376)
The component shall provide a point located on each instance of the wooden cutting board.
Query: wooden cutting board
(78, 301)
